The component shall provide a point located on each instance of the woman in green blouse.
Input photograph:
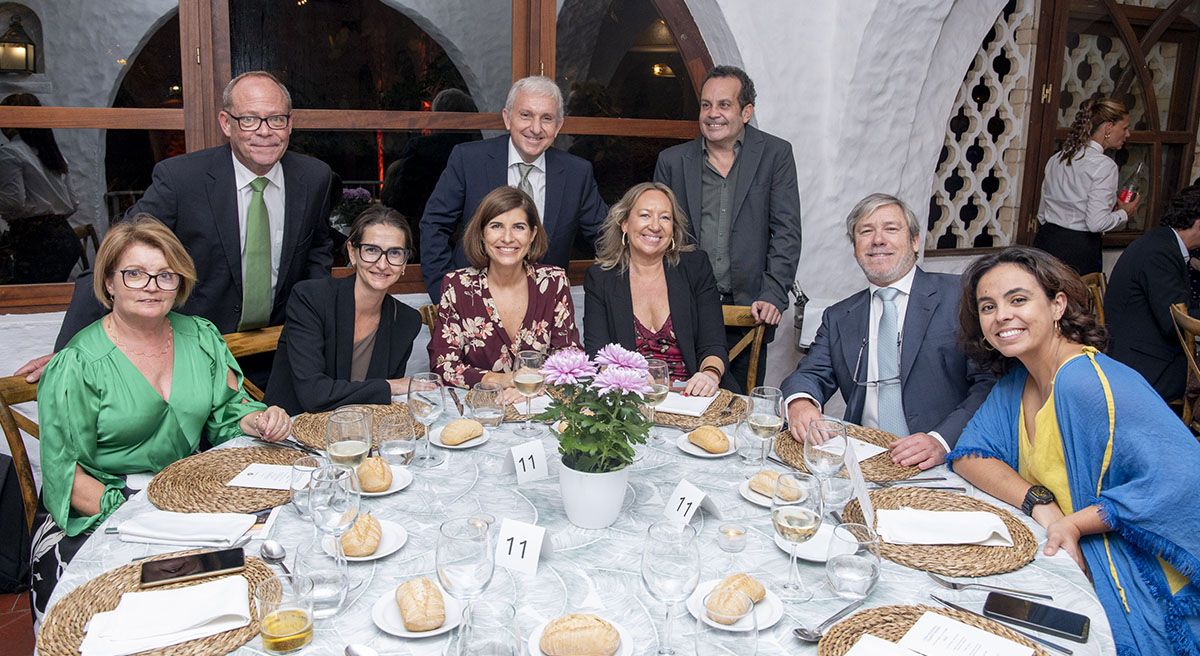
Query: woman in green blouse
(132, 392)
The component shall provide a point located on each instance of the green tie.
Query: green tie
(524, 185)
(256, 281)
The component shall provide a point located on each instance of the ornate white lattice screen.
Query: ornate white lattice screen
(976, 190)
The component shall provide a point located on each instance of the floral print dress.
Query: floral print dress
(469, 339)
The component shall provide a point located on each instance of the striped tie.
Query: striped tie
(891, 405)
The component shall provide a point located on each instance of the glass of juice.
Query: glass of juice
(285, 605)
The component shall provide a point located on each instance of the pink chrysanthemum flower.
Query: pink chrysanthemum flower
(616, 356)
(621, 379)
(567, 366)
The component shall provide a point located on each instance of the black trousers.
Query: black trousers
(1078, 249)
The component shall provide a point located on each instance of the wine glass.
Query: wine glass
(491, 631)
(764, 416)
(852, 565)
(530, 382)
(660, 383)
(333, 501)
(426, 401)
(397, 444)
(486, 407)
(828, 458)
(302, 470)
(348, 436)
(796, 511)
(670, 568)
(729, 627)
(465, 559)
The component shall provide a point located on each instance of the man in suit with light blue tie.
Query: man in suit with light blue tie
(892, 349)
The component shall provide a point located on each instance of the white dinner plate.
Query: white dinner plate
(767, 611)
(691, 449)
(435, 438)
(816, 550)
(535, 638)
(401, 478)
(752, 496)
(393, 537)
(386, 614)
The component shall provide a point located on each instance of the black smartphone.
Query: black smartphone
(1040, 617)
(192, 566)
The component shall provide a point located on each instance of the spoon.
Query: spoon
(814, 635)
(274, 553)
(360, 650)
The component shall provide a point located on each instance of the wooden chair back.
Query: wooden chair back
(86, 233)
(1097, 285)
(14, 390)
(1187, 329)
(429, 316)
(739, 316)
(250, 342)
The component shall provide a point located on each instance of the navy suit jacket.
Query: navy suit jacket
(573, 205)
(1149, 277)
(765, 234)
(195, 195)
(312, 365)
(940, 387)
(695, 310)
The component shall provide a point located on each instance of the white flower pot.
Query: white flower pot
(592, 500)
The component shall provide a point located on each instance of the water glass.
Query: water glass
(670, 568)
(285, 604)
(530, 382)
(330, 578)
(348, 436)
(660, 384)
(465, 557)
(731, 630)
(397, 442)
(333, 501)
(486, 407)
(302, 471)
(426, 402)
(752, 448)
(796, 511)
(852, 564)
(491, 630)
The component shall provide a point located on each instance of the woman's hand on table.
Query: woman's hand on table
(702, 383)
(398, 386)
(510, 396)
(272, 424)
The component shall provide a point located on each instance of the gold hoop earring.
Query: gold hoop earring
(1057, 327)
(987, 346)
(672, 243)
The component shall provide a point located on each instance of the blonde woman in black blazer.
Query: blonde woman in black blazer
(330, 318)
(646, 270)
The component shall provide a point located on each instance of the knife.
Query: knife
(458, 404)
(1010, 628)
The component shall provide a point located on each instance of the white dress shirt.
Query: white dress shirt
(273, 197)
(1081, 196)
(27, 189)
(537, 177)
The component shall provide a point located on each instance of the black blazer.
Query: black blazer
(195, 196)
(1148, 278)
(695, 310)
(312, 366)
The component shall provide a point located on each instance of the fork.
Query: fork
(954, 585)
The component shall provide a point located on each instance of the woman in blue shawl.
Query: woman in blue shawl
(1085, 446)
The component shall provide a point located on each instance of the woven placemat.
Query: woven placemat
(198, 483)
(892, 622)
(949, 559)
(63, 628)
(727, 408)
(309, 428)
(878, 467)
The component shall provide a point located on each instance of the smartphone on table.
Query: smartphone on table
(1039, 617)
(192, 566)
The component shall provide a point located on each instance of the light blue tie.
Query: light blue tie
(887, 354)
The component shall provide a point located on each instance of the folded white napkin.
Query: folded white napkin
(158, 618)
(183, 529)
(690, 406)
(912, 526)
(539, 404)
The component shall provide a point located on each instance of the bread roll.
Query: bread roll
(764, 483)
(461, 430)
(709, 438)
(579, 635)
(421, 605)
(726, 606)
(374, 475)
(743, 583)
(363, 538)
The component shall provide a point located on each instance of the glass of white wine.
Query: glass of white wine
(486, 407)
(285, 604)
(796, 511)
(348, 436)
(530, 382)
(660, 383)
(764, 416)
(426, 402)
(397, 443)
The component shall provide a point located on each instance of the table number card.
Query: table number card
(859, 484)
(685, 500)
(520, 546)
(528, 460)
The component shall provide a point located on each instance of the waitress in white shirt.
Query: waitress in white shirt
(1079, 191)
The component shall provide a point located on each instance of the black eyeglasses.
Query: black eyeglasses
(167, 281)
(370, 253)
(882, 381)
(251, 123)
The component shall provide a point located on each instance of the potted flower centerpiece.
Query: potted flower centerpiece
(597, 407)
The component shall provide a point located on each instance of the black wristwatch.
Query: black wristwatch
(1036, 496)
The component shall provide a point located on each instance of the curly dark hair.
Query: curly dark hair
(1184, 208)
(1077, 323)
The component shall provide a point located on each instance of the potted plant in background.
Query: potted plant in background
(598, 407)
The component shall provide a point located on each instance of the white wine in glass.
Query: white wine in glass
(660, 384)
(796, 511)
(348, 436)
(530, 382)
